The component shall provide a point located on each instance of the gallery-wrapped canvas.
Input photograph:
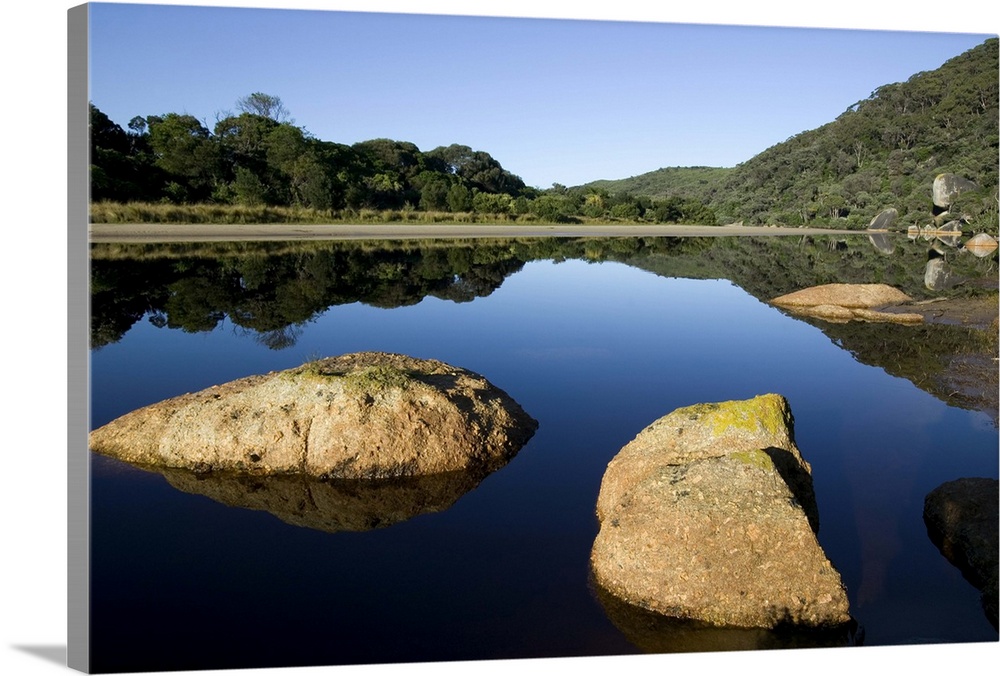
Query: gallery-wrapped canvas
(416, 339)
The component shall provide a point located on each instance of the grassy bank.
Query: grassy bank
(144, 212)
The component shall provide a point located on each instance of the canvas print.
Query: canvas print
(419, 338)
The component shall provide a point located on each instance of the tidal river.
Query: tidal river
(595, 339)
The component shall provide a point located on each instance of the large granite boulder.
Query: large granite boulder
(961, 519)
(368, 415)
(841, 303)
(948, 186)
(709, 515)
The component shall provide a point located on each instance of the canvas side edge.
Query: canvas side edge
(78, 404)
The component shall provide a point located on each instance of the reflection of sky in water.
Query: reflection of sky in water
(703, 338)
(595, 352)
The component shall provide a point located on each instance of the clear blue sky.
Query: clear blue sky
(565, 101)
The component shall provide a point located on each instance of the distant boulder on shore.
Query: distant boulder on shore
(368, 415)
(709, 515)
(842, 303)
(947, 187)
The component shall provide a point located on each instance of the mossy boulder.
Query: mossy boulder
(709, 515)
(367, 415)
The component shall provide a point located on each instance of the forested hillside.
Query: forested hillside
(701, 183)
(172, 167)
(881, 152)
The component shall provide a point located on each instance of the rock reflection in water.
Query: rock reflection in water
(881, 242)
(949, 240)
(329, 505)
(655, 633)
(938, 275)
(981, 245)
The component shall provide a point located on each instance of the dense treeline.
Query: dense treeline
(258, 159)
(881, 152)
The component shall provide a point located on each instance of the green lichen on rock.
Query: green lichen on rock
(314, 369)
(377, 379)
(767, 412)
(758, 458)
(370, 379)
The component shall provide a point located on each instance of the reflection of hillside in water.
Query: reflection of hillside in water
(949, 362)
(952, 357)
(949, 359)
(943, 246)
(270, 289)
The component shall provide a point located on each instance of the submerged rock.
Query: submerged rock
(961, 518)
(709, 515)
(847, 302)
(368, 415)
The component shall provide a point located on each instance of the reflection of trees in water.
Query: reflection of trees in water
(272, 289)
(281, 338)
(767, 267)
(271, 296)
(937, 358)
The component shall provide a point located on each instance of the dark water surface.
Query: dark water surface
(594, 350)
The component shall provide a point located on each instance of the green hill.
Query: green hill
(702, 183)
(882, 152)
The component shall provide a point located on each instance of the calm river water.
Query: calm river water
(595, 340)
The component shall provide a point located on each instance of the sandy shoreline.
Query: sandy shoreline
(201, 232)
